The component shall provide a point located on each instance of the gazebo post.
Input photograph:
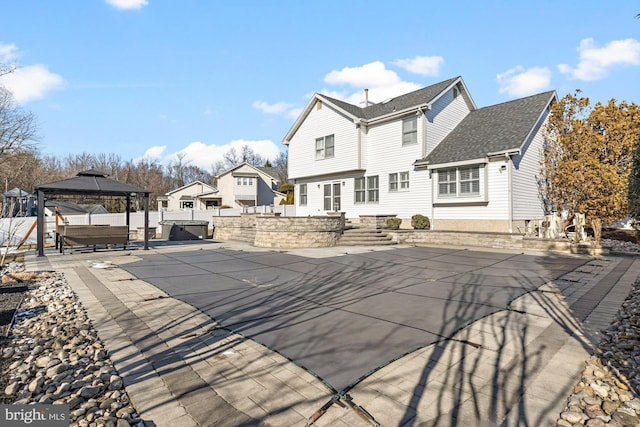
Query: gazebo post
(41, 226)
(146, 221)
(128, 210)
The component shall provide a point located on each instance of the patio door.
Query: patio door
(332, 197)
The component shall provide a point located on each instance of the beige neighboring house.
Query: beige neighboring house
(196, 195)
(248, 185)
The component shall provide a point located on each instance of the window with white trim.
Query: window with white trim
(410, 131)
(469, 181)
(393, 182)
(372, 189)
(325, 147)
(447, 183)
(244, 181)
(327, 197)
(459, 182)
(303, 195)
(359, 190)
(404, 180)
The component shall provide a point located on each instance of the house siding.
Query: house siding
(322, 122)
(387, 155)
(445, 114)
(526, 200)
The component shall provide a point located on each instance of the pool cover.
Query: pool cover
(343, 317)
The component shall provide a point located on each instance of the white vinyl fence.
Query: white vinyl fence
(12, 230)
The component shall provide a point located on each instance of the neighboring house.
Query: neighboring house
(196, 195)
(429, 152)
(248, 185)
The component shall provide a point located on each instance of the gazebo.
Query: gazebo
(89, 182)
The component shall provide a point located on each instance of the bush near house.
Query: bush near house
(393, 223)
(420, 222)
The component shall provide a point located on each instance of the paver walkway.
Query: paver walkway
(181, 365)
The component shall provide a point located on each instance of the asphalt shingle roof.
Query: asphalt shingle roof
(402, 102)
(493, 129)
(91, 182)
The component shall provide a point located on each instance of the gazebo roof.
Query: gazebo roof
(90, 182)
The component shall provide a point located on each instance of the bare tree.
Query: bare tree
(17, 127)
(281, 164)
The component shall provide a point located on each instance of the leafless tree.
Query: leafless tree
(281, 164)
(18, 130)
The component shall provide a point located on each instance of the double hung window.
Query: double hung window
(359, 190)
(410, 131)
(324, 147)
(303, 194)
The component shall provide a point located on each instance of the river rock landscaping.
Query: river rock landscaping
(52, 354)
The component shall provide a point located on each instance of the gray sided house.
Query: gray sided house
(429, 152)
(247, 185)
(241, 186)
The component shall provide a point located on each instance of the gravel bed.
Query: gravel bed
(608, 391)
(54, 356)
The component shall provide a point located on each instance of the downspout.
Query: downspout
(359, 127)
(433, 209)
(510, 193)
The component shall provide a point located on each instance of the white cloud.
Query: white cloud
(595, 62)
(373, 74)
(128, 4)
(204, 156)
(520, 82)
(277, 108)
(294, 113)
(381, 82)
(31, 82)
(423, 65)
(154, 153)
(8, 52)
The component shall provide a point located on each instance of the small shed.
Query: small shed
(90, 182)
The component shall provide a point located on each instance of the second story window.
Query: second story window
(324, 147)
(410, 131)
(244, 181)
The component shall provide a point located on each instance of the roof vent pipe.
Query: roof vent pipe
(366, 97)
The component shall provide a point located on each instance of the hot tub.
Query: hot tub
(184, 229)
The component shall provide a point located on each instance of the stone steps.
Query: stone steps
(364, 237)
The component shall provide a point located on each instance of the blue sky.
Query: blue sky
(153, 78)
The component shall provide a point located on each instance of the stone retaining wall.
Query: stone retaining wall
(298, 232)
(374, 221)
(233, 227)
(491, 240)
(457, 238)
(274, 231)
